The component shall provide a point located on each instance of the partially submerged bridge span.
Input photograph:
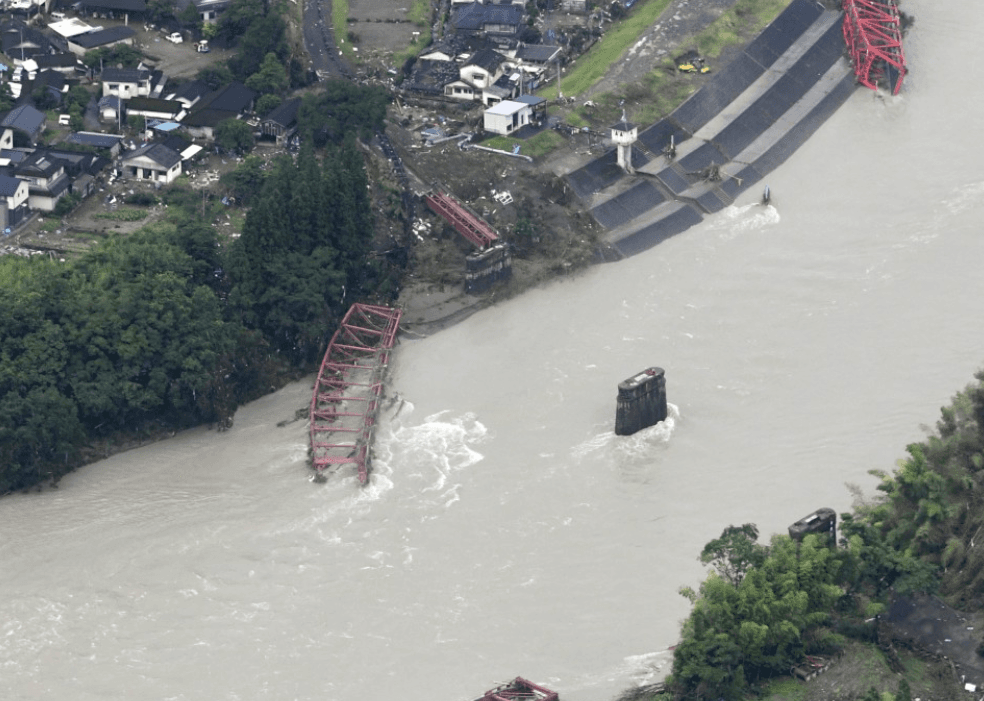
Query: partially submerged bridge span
(873, 34)
(349, 386)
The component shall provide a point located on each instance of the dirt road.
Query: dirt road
(681, 20)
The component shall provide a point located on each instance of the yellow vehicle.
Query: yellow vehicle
(691, 62)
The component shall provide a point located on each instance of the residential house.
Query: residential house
(154, 162)
(478, 74)
(281, 122)
(111, 109)
(13, 201)
(46, 179)
(127, 83)
(537, 105)
(66, 63)
(21, 41)
(106, 144)
(27, 120)
(54, 82)
(81, 169)
(114, 9)
(208, 10)
(230, 102)
(70, 27)
(476, 18)
(536, 58)
(188, 94)
(111, 36)
(181, 146)
(155, 108)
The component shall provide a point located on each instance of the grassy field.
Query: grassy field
(592, 66)
(535, 146)
(664, 88)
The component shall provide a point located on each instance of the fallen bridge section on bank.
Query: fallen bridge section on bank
(349, 388)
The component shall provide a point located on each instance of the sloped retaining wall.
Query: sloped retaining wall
(745, 122)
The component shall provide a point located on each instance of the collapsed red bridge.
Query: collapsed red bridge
(463, 221)
(349, 386)
(873, 33)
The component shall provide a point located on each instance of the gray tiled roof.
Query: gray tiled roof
(159, 153)
(8, 185)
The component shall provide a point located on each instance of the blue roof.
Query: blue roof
(166, 126)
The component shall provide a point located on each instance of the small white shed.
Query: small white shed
(507, 116)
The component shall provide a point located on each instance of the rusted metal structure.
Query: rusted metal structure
(349, 386)
(519, 689)
(464, 222)
(873, 33)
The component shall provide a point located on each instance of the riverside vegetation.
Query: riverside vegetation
(172, 326)
(765, 608)
(176, 325)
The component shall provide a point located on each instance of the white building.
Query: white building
(507, 116)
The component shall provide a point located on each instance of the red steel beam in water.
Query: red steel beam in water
(349, 385)
(520, 689)
(873, 33)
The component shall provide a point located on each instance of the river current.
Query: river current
(506, 531)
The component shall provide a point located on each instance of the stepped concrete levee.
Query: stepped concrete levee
(742, 124)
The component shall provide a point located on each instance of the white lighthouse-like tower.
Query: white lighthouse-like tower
(624, 134)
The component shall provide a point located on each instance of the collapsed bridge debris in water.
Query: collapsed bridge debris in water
(519, 689)
(349, 386)
(873, 34)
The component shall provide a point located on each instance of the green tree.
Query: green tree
(189, 16)
(6, 99)
(43, 98)
(342, 108)
(241, 13)
(159, 10)
(734, 553)
(245, 182)
(215, 76)
(117, 54)
(271, 78)
(234, 135)
(266, 34)
(267, 103)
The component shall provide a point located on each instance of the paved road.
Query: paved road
(319, 41)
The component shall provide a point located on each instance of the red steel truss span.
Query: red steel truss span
(349, 387)
(463, 221)
(873, 33)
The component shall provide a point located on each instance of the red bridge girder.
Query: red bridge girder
(349, 385)
(463, 221)
(873, 34)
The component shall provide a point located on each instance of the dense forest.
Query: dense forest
(764, 608)
(174, 325)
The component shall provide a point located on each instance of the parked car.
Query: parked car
(64, 119)
(202, 47)
(175, 37)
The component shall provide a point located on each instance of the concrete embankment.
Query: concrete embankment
(742, 124)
